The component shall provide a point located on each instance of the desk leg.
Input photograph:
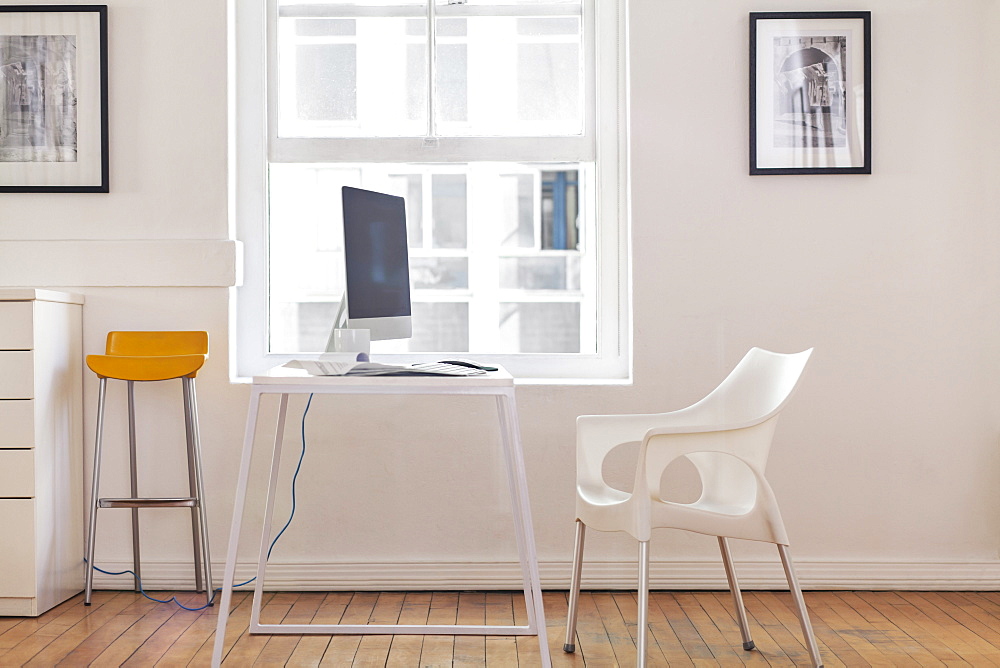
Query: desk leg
(265, 534)
(511, 433)
(234, 529)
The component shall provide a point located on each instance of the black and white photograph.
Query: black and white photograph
(810, 93)
(38, 98)
(53, 98)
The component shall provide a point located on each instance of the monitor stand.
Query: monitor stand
(339, 322)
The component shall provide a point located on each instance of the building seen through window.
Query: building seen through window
(521, 262)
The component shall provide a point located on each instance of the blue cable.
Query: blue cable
(295, 477)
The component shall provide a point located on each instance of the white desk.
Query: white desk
(283, 382)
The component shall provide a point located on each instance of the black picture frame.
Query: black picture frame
(809, 114)
(54, 99)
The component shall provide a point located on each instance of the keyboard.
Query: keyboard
(442, 369)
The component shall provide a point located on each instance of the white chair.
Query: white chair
(726, 436)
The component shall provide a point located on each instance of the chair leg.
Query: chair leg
(94, 490)
(734, 587)
(192, 487)
(133, 484)
(200, 482)
(800, 606)
(574, 588)
(643, 630)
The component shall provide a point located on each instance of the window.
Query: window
(499, 122)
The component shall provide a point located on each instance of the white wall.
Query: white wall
(886, 463)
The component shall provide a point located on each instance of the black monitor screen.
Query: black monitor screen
(375, 254)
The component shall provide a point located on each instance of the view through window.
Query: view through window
(484, 116)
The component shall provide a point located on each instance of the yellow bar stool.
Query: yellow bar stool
(150, 356)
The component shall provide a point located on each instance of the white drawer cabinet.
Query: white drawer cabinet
(41, 450)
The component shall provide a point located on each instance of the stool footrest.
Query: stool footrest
(179, 502)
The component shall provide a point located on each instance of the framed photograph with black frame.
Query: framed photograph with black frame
(810, 93)
(54, 98)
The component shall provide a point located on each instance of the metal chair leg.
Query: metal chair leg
(192, 487)
(734, 587)
(643, 631)
(200, 483)
(95, 485)
(574, 588)
(134, 484)
(800, 606)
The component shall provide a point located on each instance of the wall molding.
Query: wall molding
(121, 263)
(683, 575)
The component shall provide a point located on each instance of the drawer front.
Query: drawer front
(15, 326)
(16, 375)
(17, 473)
(17, 423)
(17, 558)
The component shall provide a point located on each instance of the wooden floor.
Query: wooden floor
(687, 629)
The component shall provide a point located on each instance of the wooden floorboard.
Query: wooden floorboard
(695, 629)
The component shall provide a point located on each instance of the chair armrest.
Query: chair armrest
(598, 435)
(661, 446)
(628, 428)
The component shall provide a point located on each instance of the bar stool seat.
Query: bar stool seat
(144, 357)
(145, 367)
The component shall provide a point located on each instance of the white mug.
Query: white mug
(351, 340)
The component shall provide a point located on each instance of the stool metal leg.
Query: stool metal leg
(200, 483)
(102, 392)
(134, 482)
(192, 487)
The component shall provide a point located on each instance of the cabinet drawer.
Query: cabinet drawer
(17, 558)
(16, 375)
(17, 473)
(17, 423)
(15, 326)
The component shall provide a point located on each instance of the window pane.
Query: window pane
(440, 327)
(518, 206)
(325, 82)
(572, 6)
(547, 26)
(357, 3)
(453, 83)
(549, 82)
(315, 320)
(560, 210)
(540, 273)
(552, 327)
(524, 77)
(439, 273)
(325, 27)
(351, 77)
(473, 288)
(410, 188)
(450, 208)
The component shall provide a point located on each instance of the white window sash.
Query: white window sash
(345, 11)
(447, 149)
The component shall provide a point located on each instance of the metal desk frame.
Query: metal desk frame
(284, 382)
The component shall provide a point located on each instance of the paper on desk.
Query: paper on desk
(329, 364)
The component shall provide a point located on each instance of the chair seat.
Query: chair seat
(145, 367)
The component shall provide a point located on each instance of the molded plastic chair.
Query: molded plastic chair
(152, 356)
(726, 436)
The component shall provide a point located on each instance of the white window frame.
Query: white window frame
(607, 94)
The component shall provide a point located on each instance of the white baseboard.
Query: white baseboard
(817, 575)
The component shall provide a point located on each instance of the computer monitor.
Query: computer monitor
(376, 262)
